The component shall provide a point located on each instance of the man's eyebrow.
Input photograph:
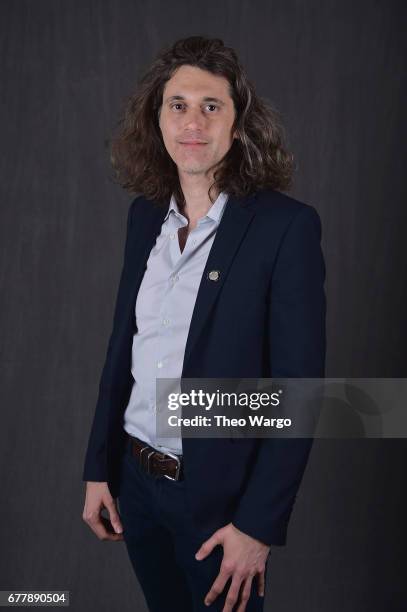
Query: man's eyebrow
(205, 99)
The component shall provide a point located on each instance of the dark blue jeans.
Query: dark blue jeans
(162, 539)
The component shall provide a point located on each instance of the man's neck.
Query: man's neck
(197, 202)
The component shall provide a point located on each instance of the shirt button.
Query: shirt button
(159, 364)
(166, 321)
(172, 236)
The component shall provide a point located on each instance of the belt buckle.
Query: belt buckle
(178, 468)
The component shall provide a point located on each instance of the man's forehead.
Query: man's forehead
(195, 82)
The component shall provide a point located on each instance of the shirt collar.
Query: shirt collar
(215, 211)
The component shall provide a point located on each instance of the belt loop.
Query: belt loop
(148, 460)
(141, 457)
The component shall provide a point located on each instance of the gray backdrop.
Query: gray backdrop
(334, 69)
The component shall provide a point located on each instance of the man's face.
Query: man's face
(196, 119)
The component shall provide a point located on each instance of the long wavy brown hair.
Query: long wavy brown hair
(257, 159)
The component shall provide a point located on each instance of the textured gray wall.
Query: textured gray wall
(334, 69)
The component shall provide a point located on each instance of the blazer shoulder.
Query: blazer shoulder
(276, 204)
(141, 206)
(138, 204)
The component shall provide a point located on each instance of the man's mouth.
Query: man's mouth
(193, 143)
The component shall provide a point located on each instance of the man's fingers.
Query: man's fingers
(217, 586)
(260, 583)
(109, 534)
(102, 527)
(97, 498)
(233, 593)
(114, 515)
(245, 594)
(95, 523)
(207, 547)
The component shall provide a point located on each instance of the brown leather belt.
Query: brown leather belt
(155, 463)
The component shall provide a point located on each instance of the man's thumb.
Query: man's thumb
(114, 518)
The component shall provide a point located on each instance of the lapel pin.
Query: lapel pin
(213, 275)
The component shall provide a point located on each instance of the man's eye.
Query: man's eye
(178, 104)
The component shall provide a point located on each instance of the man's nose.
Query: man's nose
(194, 118)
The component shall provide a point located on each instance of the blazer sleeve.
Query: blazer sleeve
(95, 466)
(296, 337)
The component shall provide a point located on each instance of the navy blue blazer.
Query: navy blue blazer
(263, 318)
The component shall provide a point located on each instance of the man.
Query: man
(223, 277)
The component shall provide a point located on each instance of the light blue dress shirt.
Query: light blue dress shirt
(163, 311)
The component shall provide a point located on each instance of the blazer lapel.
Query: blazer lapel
(232, 228)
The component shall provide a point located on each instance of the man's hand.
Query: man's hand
(97, 497)
(243, 558)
